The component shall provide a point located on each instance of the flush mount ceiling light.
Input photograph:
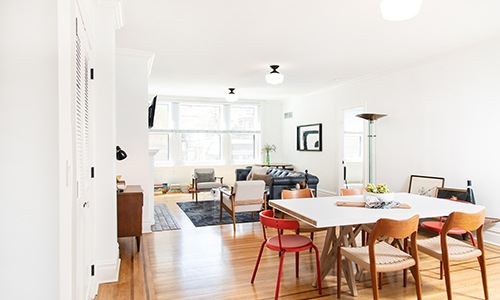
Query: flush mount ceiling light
(274, 77)
(231, 97)
(400, 10)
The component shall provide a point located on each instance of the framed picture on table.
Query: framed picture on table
(450, 193)
(425, 185)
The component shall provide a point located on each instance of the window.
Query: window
(199, 147)
(188, 132)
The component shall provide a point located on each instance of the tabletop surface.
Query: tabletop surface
(323, 212)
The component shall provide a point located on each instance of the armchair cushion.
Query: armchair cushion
(204, 175)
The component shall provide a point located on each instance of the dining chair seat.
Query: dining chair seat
(457, 250)
(292, 243)
(388, 258)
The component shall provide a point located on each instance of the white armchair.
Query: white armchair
(204, 179)
(245, 196)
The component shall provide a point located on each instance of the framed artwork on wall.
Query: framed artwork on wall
(309, 137)
(425, 185)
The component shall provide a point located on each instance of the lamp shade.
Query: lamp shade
(274, 77)
(120, 154)
(231, 97)
(400, 10)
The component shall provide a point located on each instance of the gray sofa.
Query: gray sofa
(281, 179)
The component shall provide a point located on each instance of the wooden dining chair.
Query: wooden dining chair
(284, 243)
(379, 256)
(364, 229)
(447, 249)
(302, 193)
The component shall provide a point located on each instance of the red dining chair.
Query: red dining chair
(284, 243)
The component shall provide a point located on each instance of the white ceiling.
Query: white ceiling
(204, 47)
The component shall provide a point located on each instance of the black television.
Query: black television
(151, 113)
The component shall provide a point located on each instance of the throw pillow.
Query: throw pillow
(205, 177)
(256, 170)
(266, 178)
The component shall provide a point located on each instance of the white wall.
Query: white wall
(106, 253)
(441, 122)
(132, 73)
(29, 155)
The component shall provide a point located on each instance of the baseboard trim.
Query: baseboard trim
(492, 234)
(108, 271)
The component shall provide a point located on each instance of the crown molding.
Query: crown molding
(116, 6)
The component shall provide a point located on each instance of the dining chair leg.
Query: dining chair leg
(258, 261)
(318, 269)
(234, 221)
(482, 265)
(415, 271)
(405, 277)
(375, 282)
(312, 239)
(296, 264)
(280, 271)
(446, 269)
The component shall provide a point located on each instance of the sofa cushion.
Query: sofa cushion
(266, 178)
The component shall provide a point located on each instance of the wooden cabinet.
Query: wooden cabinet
(129, 209)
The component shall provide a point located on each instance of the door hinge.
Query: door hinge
(92, 270)
(92, 172)
(91, 73)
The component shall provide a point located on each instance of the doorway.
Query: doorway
(352, 162)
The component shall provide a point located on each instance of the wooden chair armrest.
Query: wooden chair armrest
(226, 192)
(220, 178)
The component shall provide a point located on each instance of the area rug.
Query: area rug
(206, 213)
(164, 220)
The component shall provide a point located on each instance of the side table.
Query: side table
(129, 212)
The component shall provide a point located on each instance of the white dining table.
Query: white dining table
(323, 212)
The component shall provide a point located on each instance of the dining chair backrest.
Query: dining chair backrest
(397, 229)
(267, 219)
(302, 193)
(464, 221)
(351, 192)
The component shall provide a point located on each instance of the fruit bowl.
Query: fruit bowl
(385, 197)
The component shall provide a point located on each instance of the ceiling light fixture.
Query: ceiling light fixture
(274, 77)
(400, 10)
(231, 97)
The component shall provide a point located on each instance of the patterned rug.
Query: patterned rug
(206, 213)
(164, 219)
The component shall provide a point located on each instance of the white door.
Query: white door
(353, 165)
(84, 184)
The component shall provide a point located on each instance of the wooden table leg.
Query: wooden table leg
(329, 254)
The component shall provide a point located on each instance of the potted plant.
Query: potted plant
(267, 149)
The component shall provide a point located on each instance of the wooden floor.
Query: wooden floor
(215, 263)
